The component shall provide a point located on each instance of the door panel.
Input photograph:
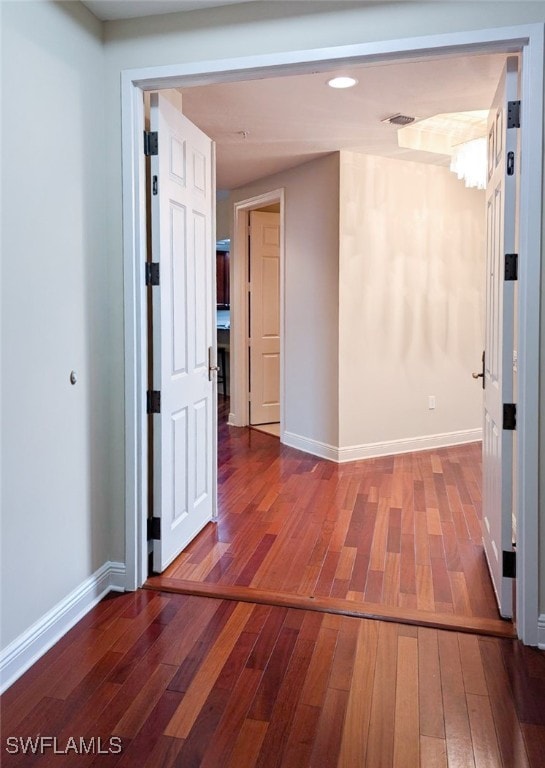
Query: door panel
(183, 331)
(271, 377)
(264, 317)
(499, 338)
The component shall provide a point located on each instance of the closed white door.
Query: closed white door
(501, 212)
(264, 314)
(184, 445)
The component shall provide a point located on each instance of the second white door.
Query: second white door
(501, 205)
(264, 316)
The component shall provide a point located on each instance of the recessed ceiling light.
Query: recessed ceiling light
(342, 82)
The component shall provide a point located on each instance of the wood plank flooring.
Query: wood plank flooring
(402, 532)
(194, 681)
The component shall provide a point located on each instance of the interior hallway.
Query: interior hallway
(398, 536)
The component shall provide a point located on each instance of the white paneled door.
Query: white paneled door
(184, 446)
(264, 317)
(501, 214)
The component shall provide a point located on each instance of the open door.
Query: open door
(499, 416)
(183, 396)
(264, 317)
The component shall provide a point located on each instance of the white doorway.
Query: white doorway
(530, 41)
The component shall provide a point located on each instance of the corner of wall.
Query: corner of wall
(26, 649)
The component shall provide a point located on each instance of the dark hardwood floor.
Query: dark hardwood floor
(188, 681)
(398, 537)
(153, 679)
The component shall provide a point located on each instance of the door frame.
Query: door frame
(240, 386)
(529, 41)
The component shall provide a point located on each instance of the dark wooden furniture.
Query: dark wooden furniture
(222, 372)
(222, 280)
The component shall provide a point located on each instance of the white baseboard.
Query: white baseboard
(541, 632)
(424, 443)
(387, 448)
(26, 649)
(306, 444)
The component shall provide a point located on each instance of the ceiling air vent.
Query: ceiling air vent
(398, 119)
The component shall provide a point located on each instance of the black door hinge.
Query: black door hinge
(154, 185)
(153, 401)
(509, 564)
(511, 266)
(509, 416)
(151, 143)
(513, 114)
(152, 273)
(154, 528)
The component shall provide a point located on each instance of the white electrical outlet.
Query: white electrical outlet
(431, 402)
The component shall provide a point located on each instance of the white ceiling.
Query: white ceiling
(265, 126)
(110, 10)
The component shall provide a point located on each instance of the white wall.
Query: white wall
(411, 303)
(223, 217)
(311, 294)
(275, 25)
(57, 501)
(404, 256)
